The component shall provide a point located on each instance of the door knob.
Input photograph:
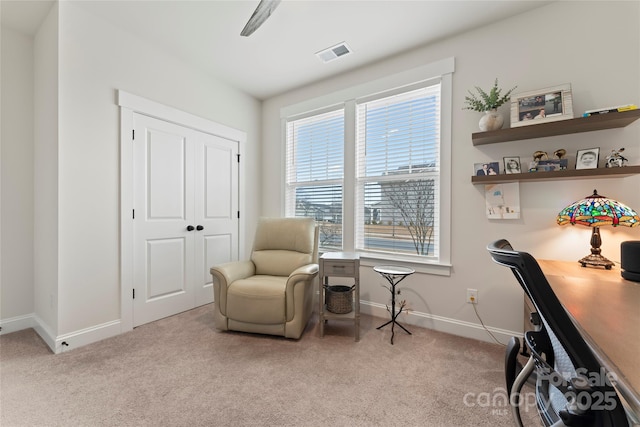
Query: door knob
(189, 227)
(199, 228)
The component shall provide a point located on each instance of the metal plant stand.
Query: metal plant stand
(394, 275)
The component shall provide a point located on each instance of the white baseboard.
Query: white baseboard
(45, 333)
(55, 343)
(107, 330)
(442, 324)
(18, 323)
(86, 336)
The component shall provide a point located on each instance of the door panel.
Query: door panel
(216, 209)
(163, 200)
(166, 268)
(182, 178)
(166, 184)
(217, 193)
(217, 249)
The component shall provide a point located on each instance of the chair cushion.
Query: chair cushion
(282, 245)
(279, 263)
(257, 299)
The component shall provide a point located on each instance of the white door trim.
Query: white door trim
(130, 104)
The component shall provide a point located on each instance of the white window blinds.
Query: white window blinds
(315, 172)
(398, 170)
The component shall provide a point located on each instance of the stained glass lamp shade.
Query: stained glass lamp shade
(594, 211)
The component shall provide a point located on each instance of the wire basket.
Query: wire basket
(339, 299)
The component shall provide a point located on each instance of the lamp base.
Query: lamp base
(594, 260)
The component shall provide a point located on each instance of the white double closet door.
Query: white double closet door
(185, 215)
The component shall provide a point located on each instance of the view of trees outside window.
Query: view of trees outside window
(404, 218)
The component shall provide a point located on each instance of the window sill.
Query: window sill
(370, 259)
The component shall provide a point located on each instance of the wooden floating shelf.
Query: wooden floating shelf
(556, 175)
(562, 127)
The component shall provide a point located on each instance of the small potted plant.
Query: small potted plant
(488, 103)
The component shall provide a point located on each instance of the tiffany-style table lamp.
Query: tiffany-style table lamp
(595, 211)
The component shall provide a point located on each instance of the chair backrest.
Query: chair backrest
(282, 245)
(571, 352)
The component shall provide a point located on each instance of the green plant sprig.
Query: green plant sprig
(487, 101)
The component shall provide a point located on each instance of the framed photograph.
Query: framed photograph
(542, 106)
(512, 165)
(489, 168)
(552, 165)
(587, 158)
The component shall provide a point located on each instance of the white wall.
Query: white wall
(564, 42)
(45, 164)
(16, 228)
(96, 59)
(63, 172)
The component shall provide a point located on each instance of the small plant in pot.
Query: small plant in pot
(488, 103)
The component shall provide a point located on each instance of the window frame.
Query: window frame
(440, 70)
(362, 178)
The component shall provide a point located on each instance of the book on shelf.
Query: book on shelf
(617, 109)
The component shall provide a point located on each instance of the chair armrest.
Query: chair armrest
(299, 283)
(224, 275)
(308, 271)
(232, 271)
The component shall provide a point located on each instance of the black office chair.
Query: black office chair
(571, 389)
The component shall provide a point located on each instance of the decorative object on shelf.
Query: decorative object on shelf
(492, 120)
(512, 165)
(595, 211)
(607, 110)
(542, 106)
(537, 157)
(488, 103)
(540, 155)
(489, 168)
(615, 159)
(560, 153)
(587, 158)
(552, 165)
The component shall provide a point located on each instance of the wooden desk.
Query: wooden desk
(606, 310)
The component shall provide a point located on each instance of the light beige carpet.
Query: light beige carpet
(180, 371)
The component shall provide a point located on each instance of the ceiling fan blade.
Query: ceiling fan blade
(263, 11)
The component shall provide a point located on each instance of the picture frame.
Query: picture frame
(551, 104)
(486, 168)
(512, 165)
(587, 158)
(552, 165)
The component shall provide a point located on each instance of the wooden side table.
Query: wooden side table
(339, 264)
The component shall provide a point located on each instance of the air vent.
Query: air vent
(333, 52)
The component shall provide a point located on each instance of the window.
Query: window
(398, 141)
(315, 171)
(374, 169)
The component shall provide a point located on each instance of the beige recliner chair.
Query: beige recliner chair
(273, 292)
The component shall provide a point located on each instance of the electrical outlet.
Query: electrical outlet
(472, 296)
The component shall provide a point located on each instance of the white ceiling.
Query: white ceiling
(280, 55)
